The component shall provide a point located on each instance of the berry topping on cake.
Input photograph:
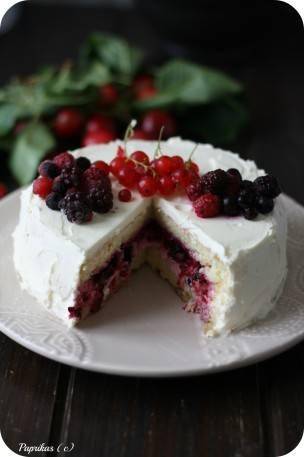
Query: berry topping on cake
(65, 159)
(230, 206)
(49, 169)
(76, 207)
(264, 205)
(52, 201)
(100, 199)
(124, 195)
(59, 186)
(208, 205)
(141, 157)
(215, 182)
(3, 190)
(166, 185)
(147, 186)
(268, 186)
(82, 163)
(247, 198)
(42, 186)
(101, 165)
(195, 190)
(70, 176)
(94, 176)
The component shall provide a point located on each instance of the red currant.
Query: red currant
(142, 81)
(116, 164)
(140, 156)
(181, 178)
(166, 185)
(3, 190)
(68, 122)
(127, 176)
(124, 195)
(99, 122)
(146, 92)
(108, 94)
(192, 166)
(120, 152)
(102, 136)
(101, 165)
(42, 186)
(163, 165)
(154, 120)
(177, 163)
(147, 186)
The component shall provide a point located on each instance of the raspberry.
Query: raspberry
(195, 190)
(52, 201)
(94, 176)
(70, 177)
(83, 163)
(264, 205)
(208, 205)
(100, 199)
(89, 295)
(268, 186)
(49, 169)
(76, 207)
(65, 159)
(42, 186)
(215, 182)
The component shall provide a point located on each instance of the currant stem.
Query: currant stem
(128, 134)
(192, 152)
(158, 150)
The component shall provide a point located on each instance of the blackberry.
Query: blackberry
(264, 205)
(247, 198)
(250, 213)
(267, 186)
(70, 176)
(195, 190)
(93, 176)
(235, 173)
(230, 206)
(215, 182)
(49, 169)
(83, 163)
(53, 200)
(100, 199)
(234, 180)
(76, 207)
(246, 184)
(59, 186)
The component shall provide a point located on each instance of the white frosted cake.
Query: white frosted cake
(227, 270)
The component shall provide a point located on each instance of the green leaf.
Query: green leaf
(32, 144)
(185, 83)
(116, 54)
(218, 123)
(8, 115)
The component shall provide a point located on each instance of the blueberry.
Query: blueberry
(83, 163)
(247, 197)
(52, 201)
(49, 169)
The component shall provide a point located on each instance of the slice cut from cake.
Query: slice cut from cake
(227, 270)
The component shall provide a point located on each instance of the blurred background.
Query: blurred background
(259, 44)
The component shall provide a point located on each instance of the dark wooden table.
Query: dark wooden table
(252, 412)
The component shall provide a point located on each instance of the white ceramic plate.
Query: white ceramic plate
(143, 330)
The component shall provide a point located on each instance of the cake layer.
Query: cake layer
(246, 260)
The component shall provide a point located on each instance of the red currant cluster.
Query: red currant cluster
(164, 175)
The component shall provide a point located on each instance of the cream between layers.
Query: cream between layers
(248, 257)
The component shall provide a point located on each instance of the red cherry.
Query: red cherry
(116, 164)
(166, 185)
(124, 195)
(154, 120)
(3, 190)
(42, 186)
(192, 166)
(139, 134)
(99, 122)
(146, 92)
(102, 136)
(163, 165)
(147, 186)
(127, 176)
(108, 94)
(101, 165)
(181, 178)
(140, 156)
(68, 122)
(177, 163)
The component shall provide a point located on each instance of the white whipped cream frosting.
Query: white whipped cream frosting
(49, 250)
